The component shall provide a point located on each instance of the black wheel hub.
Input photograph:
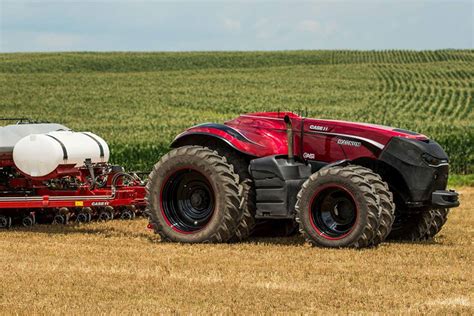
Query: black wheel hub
(188, 201)
(199, 199)
(334, 212)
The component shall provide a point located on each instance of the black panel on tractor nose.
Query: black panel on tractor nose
(408, 157)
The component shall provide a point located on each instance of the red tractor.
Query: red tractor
(49, 173)
(343, 184)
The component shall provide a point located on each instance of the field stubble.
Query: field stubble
(120, 267)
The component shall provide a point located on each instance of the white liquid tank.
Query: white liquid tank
(38, 155)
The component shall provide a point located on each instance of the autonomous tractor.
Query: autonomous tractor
(340, 184)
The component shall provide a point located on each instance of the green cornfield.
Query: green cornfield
(139, 101)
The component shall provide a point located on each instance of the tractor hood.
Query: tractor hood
(377, 135)
(392, 131)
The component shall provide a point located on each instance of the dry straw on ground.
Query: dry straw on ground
(119, 267)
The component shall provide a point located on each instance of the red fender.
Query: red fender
(246, 141)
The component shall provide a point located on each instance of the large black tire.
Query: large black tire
(193, 196)
(387, 206)
(334, 188)
(440, 216)
(248, 208)
(411, 226)
(248, 204)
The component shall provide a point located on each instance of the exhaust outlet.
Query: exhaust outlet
(289, 135)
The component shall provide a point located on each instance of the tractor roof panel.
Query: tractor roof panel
(11, 134)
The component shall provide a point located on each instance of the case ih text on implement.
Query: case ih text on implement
(345, 184)
(49, 173)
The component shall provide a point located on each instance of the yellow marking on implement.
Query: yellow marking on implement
(79, 203)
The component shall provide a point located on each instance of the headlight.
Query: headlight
(433, 161)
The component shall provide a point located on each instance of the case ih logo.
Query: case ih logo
(318, 128)
(100, 203)
(348, 142)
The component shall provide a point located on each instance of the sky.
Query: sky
(153, 25)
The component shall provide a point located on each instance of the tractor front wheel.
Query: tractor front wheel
(338, 207)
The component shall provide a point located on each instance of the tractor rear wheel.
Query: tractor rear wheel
(248, 206)
(193, 196)
(338, 207)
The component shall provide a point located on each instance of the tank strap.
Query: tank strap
(65, 157)
(98, 143)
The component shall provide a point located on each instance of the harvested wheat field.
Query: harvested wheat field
(120, 267)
